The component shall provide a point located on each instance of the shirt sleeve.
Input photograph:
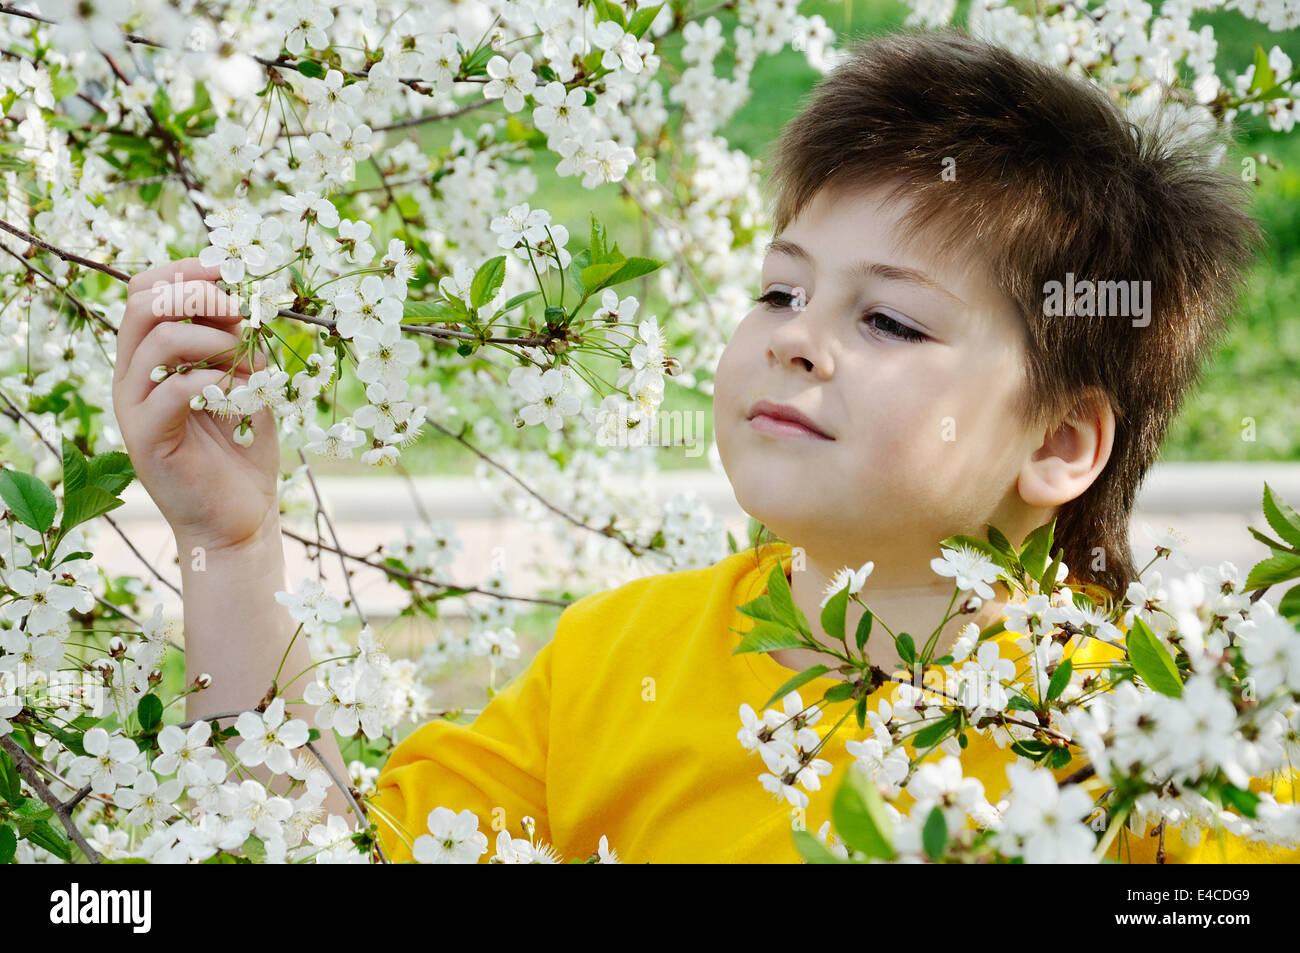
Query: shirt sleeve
(495, 767)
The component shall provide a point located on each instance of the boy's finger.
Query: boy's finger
(182, 269)
(166, 411)
(172, 344)
(149, 307)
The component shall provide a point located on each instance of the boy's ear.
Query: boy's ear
(1072, 456)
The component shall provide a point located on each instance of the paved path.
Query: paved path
(1208, 504)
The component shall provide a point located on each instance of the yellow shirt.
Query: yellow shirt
(625, 725)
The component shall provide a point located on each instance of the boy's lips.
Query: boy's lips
(782, 420)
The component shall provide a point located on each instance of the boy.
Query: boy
(937, 394)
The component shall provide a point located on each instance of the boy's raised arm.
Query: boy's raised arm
(219, 497)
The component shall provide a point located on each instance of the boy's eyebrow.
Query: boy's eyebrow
(865, 269)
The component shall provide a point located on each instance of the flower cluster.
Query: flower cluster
(1199, 698)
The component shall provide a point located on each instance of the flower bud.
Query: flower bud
(155, 677)
(116, 647)
(203, 681)
(244, 433)
(159, 374)
(972, 604)
(198, 402)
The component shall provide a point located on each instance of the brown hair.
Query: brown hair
(1051, 177)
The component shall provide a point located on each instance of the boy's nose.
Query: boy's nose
(802, 341)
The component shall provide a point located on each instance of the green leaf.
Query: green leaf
(66, 738)
(861, 712)
(760, 608)
(433, 308)
(1279, 548)
(111, 472)
(768, 637)
(1273, 570)
(1264, 78)
(1048, 578)
(149, 711)
(807, 675)
(934, 835)
(43, 835)
(63, 85)
(1290, 605)
(576, 264)
(596, 277)
(515, 302)
(782, 601)
(813, 850)
(33, 809)
(518, 131)
(311, 68)
(487, 281)
(1060, 678)
(75, 474)
(999, 541)
(859, 817)
(30, 499)
(9, 778)
(598, 252)
(833, 613)
(83, 505)
(642, 19)
(932, 734)
(1030, 748)
(8, 843)
(1038, 544)
(1284, 520)
(605, 10)
(1057, 758)
(864, 628)
(992, 630)
(1019, 703)
(837, 693)
(906, 648)
(1152, 661)
(1245, 802)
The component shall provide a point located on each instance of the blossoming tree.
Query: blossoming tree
(140, 131)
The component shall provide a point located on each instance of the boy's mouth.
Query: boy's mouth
(782, 420)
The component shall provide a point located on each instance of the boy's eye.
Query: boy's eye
(886, 325)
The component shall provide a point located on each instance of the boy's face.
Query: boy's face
(925, 442)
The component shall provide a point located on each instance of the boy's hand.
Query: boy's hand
(213, 492)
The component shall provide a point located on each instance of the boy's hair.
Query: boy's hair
(1050, 178)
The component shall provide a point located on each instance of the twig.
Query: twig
(347, 793)
(636, 549)
(413, 577)
(77, 302)
(320, 510)
(422, 329)
(23, 762)
(312, 748)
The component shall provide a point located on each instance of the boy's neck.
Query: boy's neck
(915, 609)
